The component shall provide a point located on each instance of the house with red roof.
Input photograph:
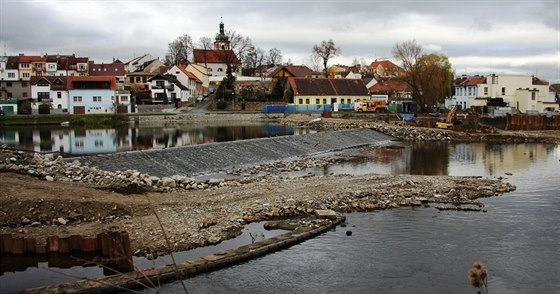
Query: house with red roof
(396, 90)
(189, 80)
(466, 91)
(382, 69)
(71, 65)
(322, 91)
(29, 66)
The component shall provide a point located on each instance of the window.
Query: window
(300, 101)
(486, 91)
(77, 98)
(159, 84)
(317, 101)
(43, 96)
(79, 144)
(11, 75)
(503, 90)
(533, 96)
(9, 95)
(124, 98)
(8, 84)
(25, 75)
(220, 69)
(25, 65)
(307, 101)
(96, 98)
(58, 95)
(131, 79)
(59, 106)
(98, 143)
(324, 100)
(24, 84)
(24, 94)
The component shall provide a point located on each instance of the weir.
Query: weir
(217, 157)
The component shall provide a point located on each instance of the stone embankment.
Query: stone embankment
(408, 132)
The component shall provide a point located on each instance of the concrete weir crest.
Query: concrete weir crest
(215, 157)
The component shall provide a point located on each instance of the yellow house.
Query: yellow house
(201, 73)
(322, 91)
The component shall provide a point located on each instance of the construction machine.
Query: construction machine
(370, 106)
(449, 120)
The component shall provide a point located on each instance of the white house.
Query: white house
(466, 92)
(168, 87)
(8, 73)
(49, 89)
(137, 63)
(89, 95)
(188, 79)
(522, 92)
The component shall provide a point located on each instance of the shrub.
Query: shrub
(221, 104)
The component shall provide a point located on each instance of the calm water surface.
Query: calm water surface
(422, 250)
(76, 142)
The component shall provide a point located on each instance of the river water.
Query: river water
(422, 250)
(78, 142)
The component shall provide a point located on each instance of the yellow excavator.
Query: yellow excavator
(449, 120)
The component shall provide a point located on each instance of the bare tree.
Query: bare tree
(205, 43)
(326, 51)
(274, 56)
(429, 76)
(179, 50)
(254, 59)
(239, 46)
(314, 62)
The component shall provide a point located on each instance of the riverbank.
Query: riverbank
(408, 132)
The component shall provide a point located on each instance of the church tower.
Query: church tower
(222, 41)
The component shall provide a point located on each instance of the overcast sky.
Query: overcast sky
(479, 37)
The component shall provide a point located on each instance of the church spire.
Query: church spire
(222, 41)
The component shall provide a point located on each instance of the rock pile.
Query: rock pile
(57, 169)
(397, 129)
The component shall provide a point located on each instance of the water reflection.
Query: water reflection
(438, 158)
(104, 140)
